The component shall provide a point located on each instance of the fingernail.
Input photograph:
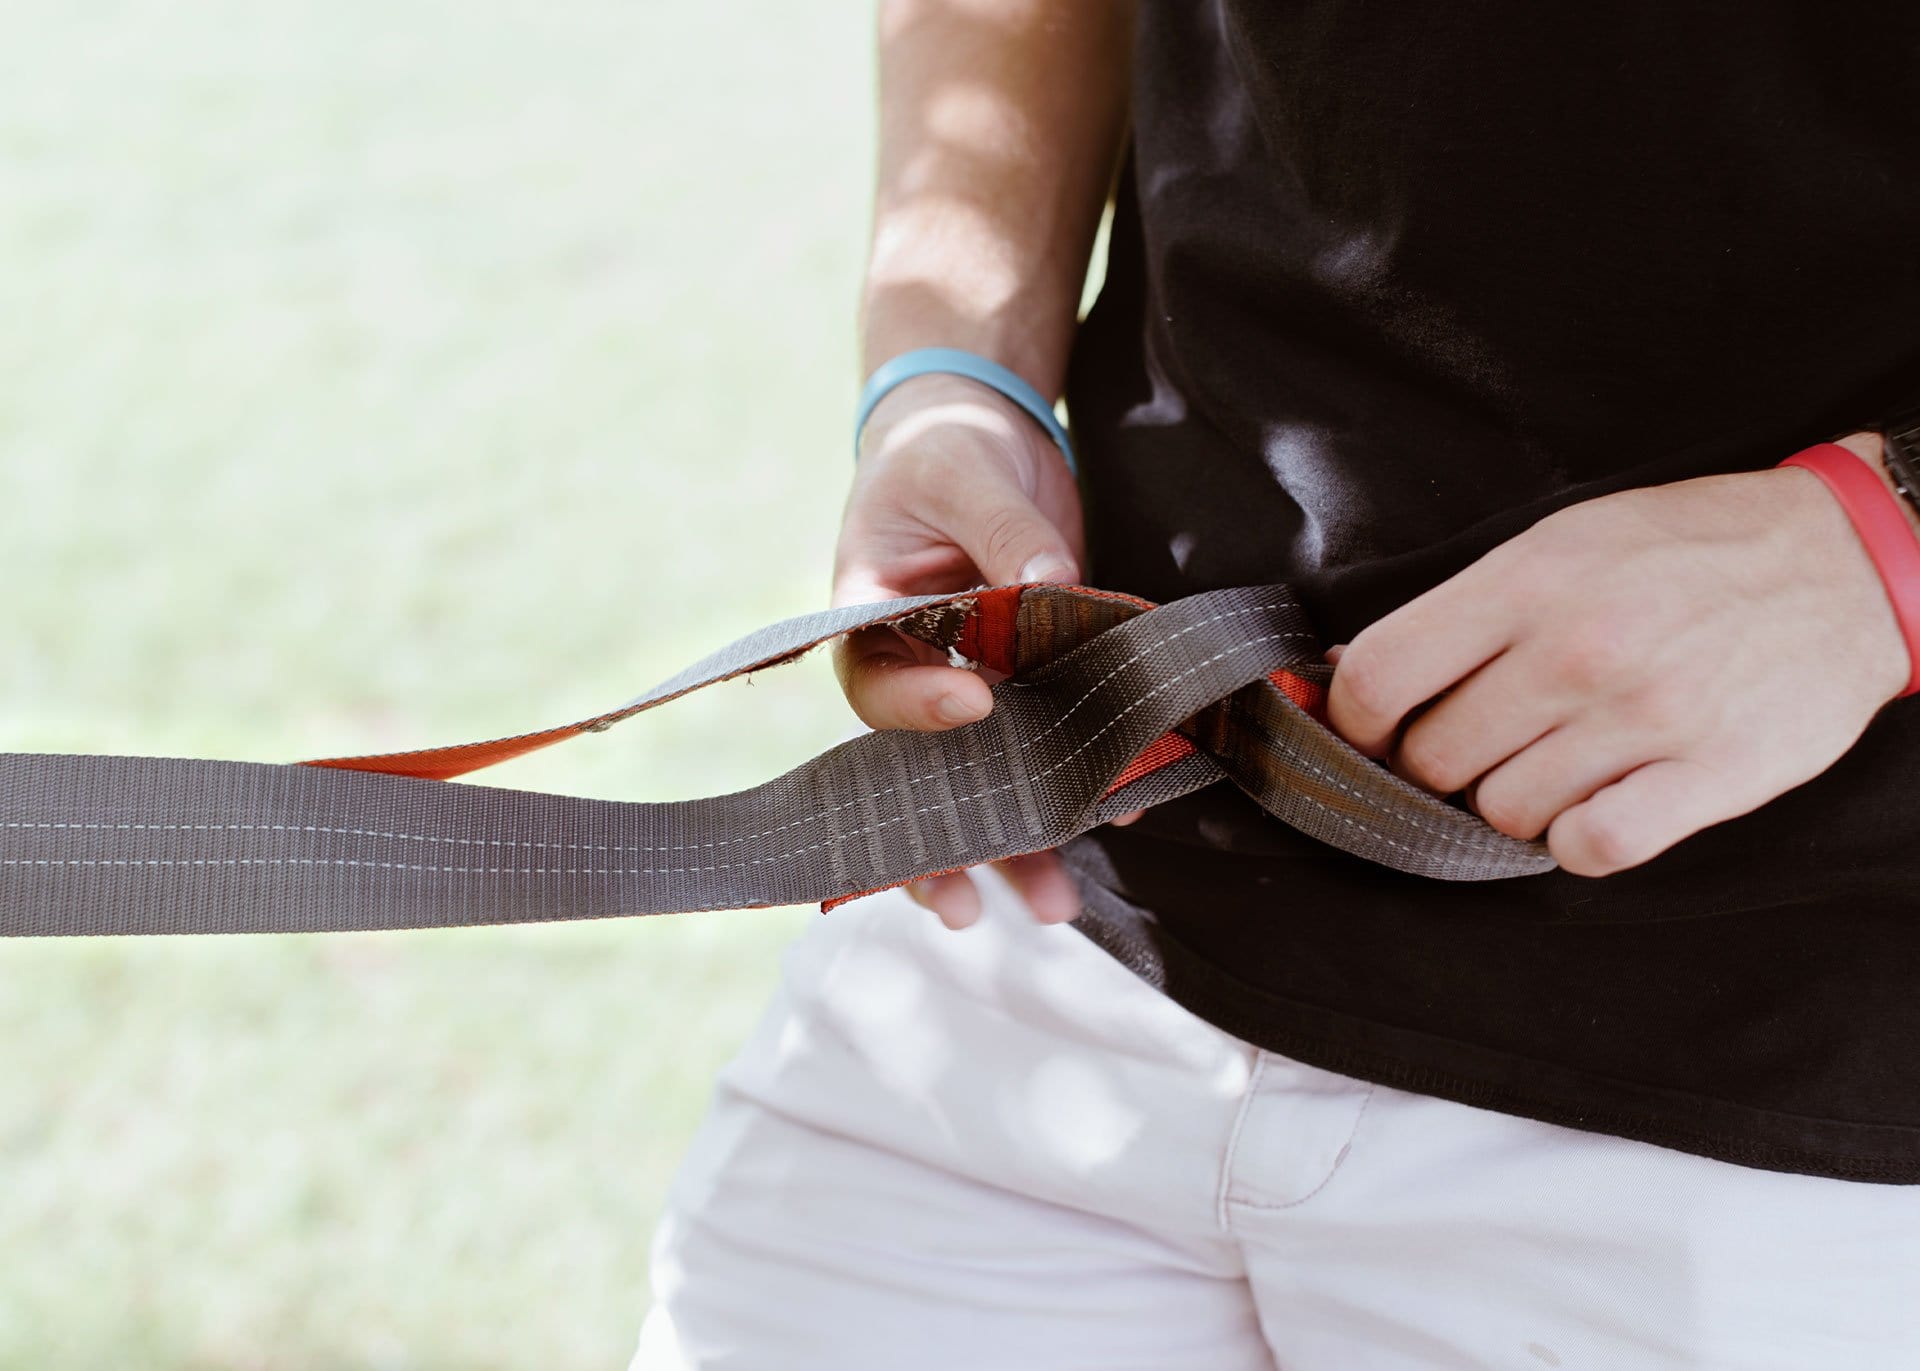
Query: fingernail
(1047, 567)
(954, 710)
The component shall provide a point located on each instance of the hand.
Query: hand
(955, 486)
(1636, 668)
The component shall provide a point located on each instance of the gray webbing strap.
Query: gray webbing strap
(135, 845)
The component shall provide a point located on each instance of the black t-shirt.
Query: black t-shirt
(1388, 284)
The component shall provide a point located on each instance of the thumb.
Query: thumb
(1007, 536)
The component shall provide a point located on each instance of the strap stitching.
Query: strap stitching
(652, 871)
(692, 847)
(1473, 840)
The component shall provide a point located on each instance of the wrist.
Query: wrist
(1881, 535)
(984, 371)
(928, 401)
(1028, 330)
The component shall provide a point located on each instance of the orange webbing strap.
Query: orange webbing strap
(981, 627)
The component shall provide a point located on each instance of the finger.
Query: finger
(1126, 819)
(1005, 533)
(1557, 771)
(951, 895)
(1042, 881)
(1399, 662)
(1640, 816)
(1487, 718)
(889, 686)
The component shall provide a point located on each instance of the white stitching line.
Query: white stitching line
(390, 866)
(1146, 651)
(684, 847)
(1222, 1214)
(1473, 841)
(1354, 791)
(641, 871)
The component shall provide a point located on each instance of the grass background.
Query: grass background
(379, 373)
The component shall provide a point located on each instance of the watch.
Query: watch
(1901, 454)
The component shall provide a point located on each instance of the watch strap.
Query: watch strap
(1901, 454)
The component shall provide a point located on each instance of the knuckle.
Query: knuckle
(1507, 814)
(1657, 709)
(1363, 677)
(1001, 534)
(1609, 843)
(872, 687)
(1592, 654)
(1431, 763)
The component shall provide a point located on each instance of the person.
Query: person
(1486, 328)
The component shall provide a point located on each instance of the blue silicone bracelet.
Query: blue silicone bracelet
(957, 362)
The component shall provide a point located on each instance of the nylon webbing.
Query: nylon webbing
(1112, 704)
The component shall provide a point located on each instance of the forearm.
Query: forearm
(1000, 125)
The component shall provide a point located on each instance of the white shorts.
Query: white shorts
(1000, 1149)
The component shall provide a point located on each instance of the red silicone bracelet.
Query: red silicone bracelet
(1883, 527)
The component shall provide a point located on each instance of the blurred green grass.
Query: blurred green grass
(384, 374)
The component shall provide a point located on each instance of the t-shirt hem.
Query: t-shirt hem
(1492, 1078)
